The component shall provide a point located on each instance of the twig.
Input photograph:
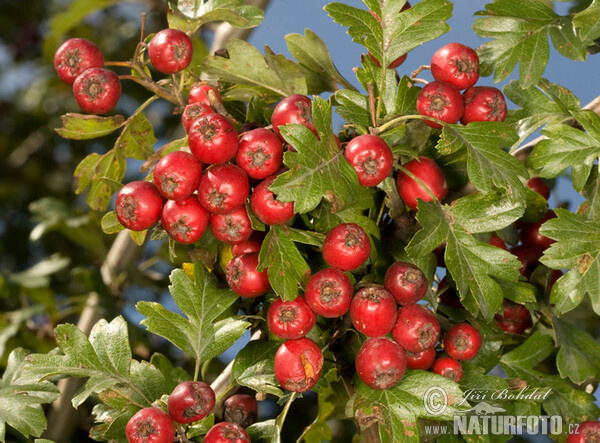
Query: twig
(372, 104)
(416, 72)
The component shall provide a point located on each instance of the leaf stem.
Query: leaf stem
(286, 408)
(372, 104)
(397, 120)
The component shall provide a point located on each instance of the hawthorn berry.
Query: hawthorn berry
(380, 363)
(75, 56)
(456, 64)
(530, 234)
(298, 364)
(420, 360)
(170, 51)
(346, 247)
(448, 296)
(191, 401)
(213, 139)
(449, 368)
(528, 256)
(515, 318)
(371, 158)
(429, 173)
(290, 319)
(329, 292)
(416, 328)
(260, 153)
(483, 104)
(295, 108)
(226, 432)
(233, 227)
(138, 205)
(244, 279)
(97, 90)
(223, 188)
(193, 112)
(184, 220)
(177, 175)
(373, 311)
(440, 100)
(462, 341)
(497, 242)
(539, 185)
(200, 93)
(267, 208)
(241, 409)
(406, 282)
(587, 431)
(253, 244)
(150, 425)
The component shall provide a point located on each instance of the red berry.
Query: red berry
(373, 311)
(193, 112)
(177, 175)
(587, 431)
(456, 64)
(184, 220)
(528, 256)
(448, 367)
(290, 319)
(297, 109)
(429, 173)
(515, 318)
(380, 363)
(213, 139)
(371, 157)
(416, 328)
(150, 425)
(483, 104)
(448, 295)
(462, 341)
(243, 278)
(226, 432)
(191, 401)
(260, 153)
(440, 100)
(170, 51)
(554, 276)
(497, 242)
(267, 208)
(223, 188)
(138, 205)
(346, 247)
(233, 227)
(97, 90)
(406, 282)
(298, 364)
(329, 292)
(241, 409)
(200, 91)
(530, 234)
(75, 56)
(538, 185)
(420, 360)
(253, 244)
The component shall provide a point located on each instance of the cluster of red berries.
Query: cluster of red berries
(189, 402)
(455, 67)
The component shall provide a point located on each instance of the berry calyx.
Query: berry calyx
(371, 158)
(226, 432)
(297, 109)
(380, 363)
(298, 364)
(448, 367)
(75, 56)
(346, 247)
(150, 425)
(244, 279)
(329, 292)
(440, 100)
(177, 175)
(233, 227)
(97, 90)
(483, 104)
(267, 208)
(290, 319)
(184, 220)
(200, 93)
(260, 153)
(420, 360)
(190, 401)
(138, 205)
(462, 341)
(193, 112)
(241, 409)
(429, 173)
(456, 64)
(223, 188)
(416, 328)
(406, 282)
(170, 51)
(373, 311)
(213, 139)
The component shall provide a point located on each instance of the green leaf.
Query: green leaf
(486, 212)
(591, 191)
(203, 334)
(20, 403)
(577, 249)
(326, 219)
(110, 423)
(85, 127)
(587, 23)
(488, 165)
(138, 237)
(397, 409)
(264, 431)
(579, 354)
(137, 138)
(318, 169)
(111, 224)
(254, 367)
(92, 170)
(189, 15)
(353, 107)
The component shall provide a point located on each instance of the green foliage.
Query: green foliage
(188, 16)
(253, 367)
